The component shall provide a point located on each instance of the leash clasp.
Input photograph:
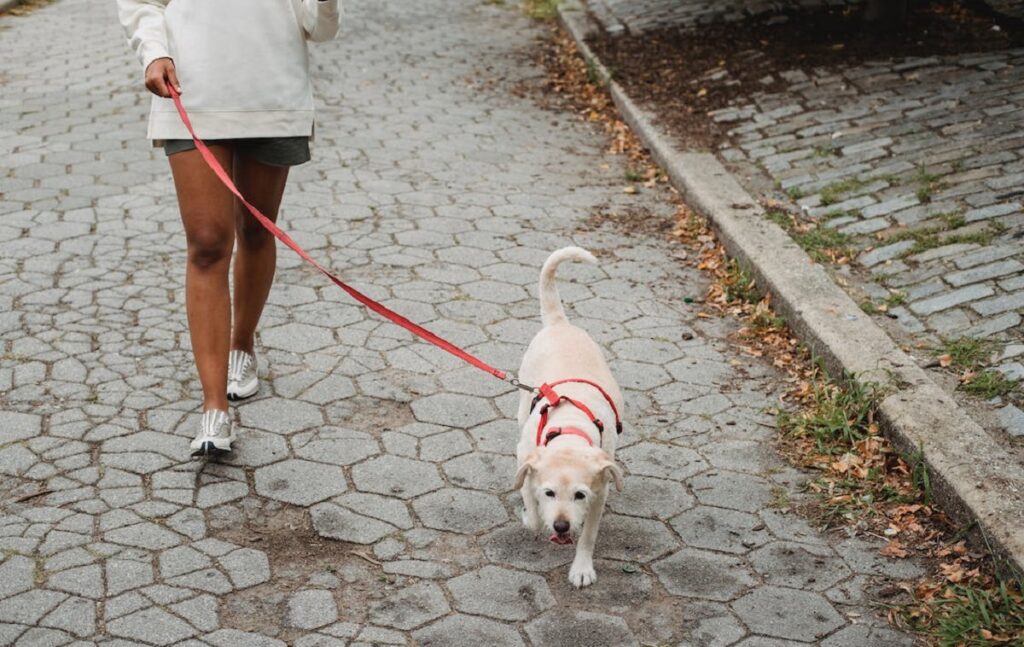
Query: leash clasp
(514, 381)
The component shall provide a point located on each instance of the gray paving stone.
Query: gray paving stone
(661, 461)
(153, 626)
(480, 471)
(410, 607)
(300, 482)
(467, 631)
(799, 566)
(950, 299)
(698, 573)
(725, 530)
(501, 593)
(454, 410)
(396, 476)
(520, 548)
(564, 628)
(335, 522)
(786, 613)
(460, 511)
(311, 609)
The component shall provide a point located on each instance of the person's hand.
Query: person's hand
(159, 75)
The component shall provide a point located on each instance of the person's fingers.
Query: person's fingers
(172, 78)
(155, 78)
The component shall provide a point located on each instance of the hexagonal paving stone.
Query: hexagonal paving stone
(500, 593)
(396, 476)
(734, 490)
(467, 631)
(799, 566)
(454, 410)
(633, 540)
(709, 624)
(335, 446)
(280, 416)
(461, 511)
(153, 625)
(310, 609)
(564, 628)
(785, 613)
(481, 471)
(18, 426)
(522, 548)
(410, 607)
(698, 573)
(300, 482)
(725, 530)
(649, 497)
(866, 636)
(297, 337)
(335, 522)
(663, 461)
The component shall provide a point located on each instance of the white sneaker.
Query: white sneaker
(215, 434)
(242, 382)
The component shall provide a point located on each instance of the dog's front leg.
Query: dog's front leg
(531, 517)
(582, 572)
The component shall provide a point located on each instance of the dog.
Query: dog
(566, 451)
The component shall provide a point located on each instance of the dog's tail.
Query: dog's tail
(551, 311)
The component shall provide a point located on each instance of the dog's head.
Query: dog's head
(564, 481)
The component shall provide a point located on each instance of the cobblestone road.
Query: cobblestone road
(920, 161)
(369, 498)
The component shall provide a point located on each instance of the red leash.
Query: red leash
(382, 310)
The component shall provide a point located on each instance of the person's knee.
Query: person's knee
(209, 247)
(251, 233)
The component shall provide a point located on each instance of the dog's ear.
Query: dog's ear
(612, 471)
(524, 470)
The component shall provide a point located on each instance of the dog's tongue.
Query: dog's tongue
(561, 539)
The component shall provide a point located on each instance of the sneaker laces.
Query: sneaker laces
(238, 363)
(215, 423)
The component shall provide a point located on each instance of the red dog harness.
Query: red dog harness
(552, 400)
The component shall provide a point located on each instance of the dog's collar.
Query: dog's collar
(552, 399)
(555, 432)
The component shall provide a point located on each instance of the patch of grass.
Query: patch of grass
(780, 498)
(632, 175)
(780, 218)
(927, 184)
(831, 193)
(824, 244)
(927, 238)
(971, 616)
(541, 9)
(839, 413)
(870, 308)
(919, 473)
(764, 320)
(966, 353)
(739, 284)
(823, 151)
(795, 192)
(895, 298)
(990, 384)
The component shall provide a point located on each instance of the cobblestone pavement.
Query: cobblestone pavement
(369, 498)
(927, 153)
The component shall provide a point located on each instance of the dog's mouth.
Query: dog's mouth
(561, 539)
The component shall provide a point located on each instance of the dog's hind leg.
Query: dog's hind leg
(582, 572)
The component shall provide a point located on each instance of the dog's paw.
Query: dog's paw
(581, 575)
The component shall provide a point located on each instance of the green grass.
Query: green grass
(633, 175)
(895, 298)
(820, 240)
(990, 384)
(919, 473)
(973, 617)
(823, 151)
(795, 192)
(966, 353)
(927, 238)
(541, 9)
(831, 193)
(739, 284)
(839, 411)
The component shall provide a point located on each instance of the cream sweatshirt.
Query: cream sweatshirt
(242, 65)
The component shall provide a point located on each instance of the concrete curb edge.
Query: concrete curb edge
(970, 474)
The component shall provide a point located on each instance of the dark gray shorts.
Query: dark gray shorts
(272, 151)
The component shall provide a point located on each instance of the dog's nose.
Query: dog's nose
(561, 526)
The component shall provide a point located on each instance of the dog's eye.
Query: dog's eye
(549, 493)
(580, 496)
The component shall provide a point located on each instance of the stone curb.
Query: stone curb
(970, 474)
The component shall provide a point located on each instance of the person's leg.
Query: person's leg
(256, 258)
(207, 211)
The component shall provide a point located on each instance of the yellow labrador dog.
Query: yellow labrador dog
(567, 449)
